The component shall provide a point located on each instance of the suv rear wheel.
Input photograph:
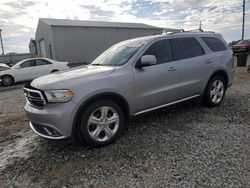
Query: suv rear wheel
(101, 123)
(215, 91)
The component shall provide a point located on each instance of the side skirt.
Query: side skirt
(165, 105)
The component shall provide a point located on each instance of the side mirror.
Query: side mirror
(147, 60)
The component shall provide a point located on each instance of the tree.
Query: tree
(231, 44)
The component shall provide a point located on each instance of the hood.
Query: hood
(3, 66)
(71, 77)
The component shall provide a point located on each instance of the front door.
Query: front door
(26, 71)
(157, 84)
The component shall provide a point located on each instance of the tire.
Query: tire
(215, 91)
(7, 80)
(93, 127)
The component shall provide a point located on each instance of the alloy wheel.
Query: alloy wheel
(217, 91)
(7, 81)
(103, 123)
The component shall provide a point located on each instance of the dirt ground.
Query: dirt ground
(185, 145)
(12, 117)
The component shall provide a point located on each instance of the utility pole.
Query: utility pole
(243, 21)
(200, 26)
(1, 42)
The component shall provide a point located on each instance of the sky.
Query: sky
(19, 18)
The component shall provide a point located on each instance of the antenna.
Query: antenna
(200, 26)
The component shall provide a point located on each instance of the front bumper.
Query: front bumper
(53, 121)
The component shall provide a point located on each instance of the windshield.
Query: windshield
(244, 42)
(118, 54)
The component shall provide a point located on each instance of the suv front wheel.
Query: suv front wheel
(215, 91)
(101, 123)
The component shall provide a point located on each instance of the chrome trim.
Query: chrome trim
(165, 105)
(45, 136)
(34, 98)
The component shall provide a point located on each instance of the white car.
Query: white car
(29, 69)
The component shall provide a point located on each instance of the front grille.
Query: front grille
(34, 97)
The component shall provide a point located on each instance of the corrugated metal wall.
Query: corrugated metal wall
(83, 44)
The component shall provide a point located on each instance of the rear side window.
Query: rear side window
(162, 50)
(187, 47)
(40, 62)
(214, 44)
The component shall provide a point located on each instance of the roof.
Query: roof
(84, 23)
(178, 34)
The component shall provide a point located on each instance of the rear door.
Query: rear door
(219, 52)
(195, 66)
(44, 67)
(157, 84)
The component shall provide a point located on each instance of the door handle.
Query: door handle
(208, 61)
(172, 69)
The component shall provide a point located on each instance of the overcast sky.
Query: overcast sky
(19, 18)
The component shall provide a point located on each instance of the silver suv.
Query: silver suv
(93, 103)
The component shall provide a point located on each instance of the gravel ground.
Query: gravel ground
(185, 145)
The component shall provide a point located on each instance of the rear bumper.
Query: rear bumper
(231, 74)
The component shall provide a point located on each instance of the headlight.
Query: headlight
(54, 96)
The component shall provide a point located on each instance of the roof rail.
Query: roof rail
(183, 31)
(173, 32)
(200, 30)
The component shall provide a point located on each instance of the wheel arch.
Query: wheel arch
(119, 99)
(54, 70)
(221, 73)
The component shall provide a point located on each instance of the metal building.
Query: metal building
(78, 41)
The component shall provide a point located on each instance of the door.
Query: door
(194, 66)
(42, 48)
(157, 84)
(26, 71)
(43, 67)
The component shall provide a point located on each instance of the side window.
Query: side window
(162, 51)
(40, 62)
(214, 44)
(29, 63)
(187, 48)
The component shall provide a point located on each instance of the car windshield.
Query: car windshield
(118, 54)
(244, 42)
